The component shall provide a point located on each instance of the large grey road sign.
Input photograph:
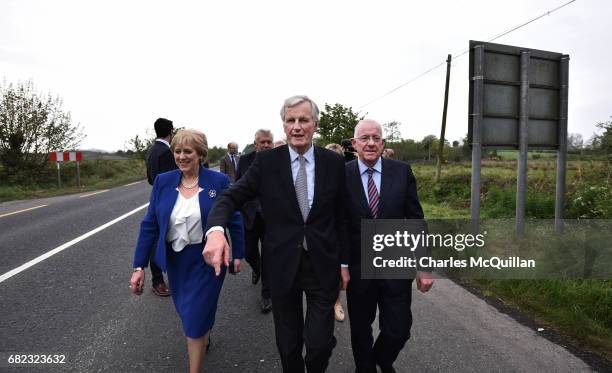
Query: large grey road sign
(518, 100)
(500, 95)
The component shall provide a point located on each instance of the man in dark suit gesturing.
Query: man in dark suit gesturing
(254, 225)
(159, 160)
(378, 188)
(300, 188)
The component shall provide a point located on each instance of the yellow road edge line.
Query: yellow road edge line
(24, 210)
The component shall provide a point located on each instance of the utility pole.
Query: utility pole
(441, 145)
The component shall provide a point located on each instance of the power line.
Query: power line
(465, 52)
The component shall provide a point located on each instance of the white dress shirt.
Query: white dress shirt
(295, 166)
(163, 142)
(185, 226)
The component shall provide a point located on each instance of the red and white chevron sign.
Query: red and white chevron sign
(66, 156)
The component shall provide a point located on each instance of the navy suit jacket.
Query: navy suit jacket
(250, 208)
(160, 159)
(270, 179)
(154, 226)
(398, 200)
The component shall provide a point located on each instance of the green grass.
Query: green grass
(580, 310)
(95, 174)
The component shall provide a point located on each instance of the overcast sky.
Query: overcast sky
(225, 67)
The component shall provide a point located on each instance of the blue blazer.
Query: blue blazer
(154, 226)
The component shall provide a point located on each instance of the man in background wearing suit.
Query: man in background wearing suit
(254, 225)
(159, 160)
(378, 188)
(300, 188)
(229, 163)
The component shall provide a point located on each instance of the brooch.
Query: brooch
(212, 193)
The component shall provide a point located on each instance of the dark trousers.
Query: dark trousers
(156, 272)
(316, 331)
(253, 237)
(393, 299)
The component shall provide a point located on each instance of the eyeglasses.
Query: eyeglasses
(366, 139)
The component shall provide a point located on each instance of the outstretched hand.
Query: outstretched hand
(216, 251)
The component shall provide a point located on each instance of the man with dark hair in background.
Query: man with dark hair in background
(349, 151)
(254, 225)
(159, 160)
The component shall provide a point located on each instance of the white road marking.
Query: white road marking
(134, 183)
(94, 193)
(24, 210)
(63, 247)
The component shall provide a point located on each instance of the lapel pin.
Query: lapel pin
(212, 193)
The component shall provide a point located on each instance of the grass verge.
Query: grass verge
(95, 174)
(578, 310)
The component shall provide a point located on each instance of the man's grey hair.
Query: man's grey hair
(264, 132)
(358, 126)
(296, 100)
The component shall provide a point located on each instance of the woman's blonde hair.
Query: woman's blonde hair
(194, 138)
(335, 147)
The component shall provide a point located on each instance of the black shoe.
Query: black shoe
(266, 305)
(388, 370)
(255, 277)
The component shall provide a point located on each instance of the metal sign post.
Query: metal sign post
(476, 119)
(59, 176)
(521, 177)
(78, 172)
(59, 157)
(562, 152)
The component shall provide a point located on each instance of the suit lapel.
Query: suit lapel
(386, 184)
(169, 194)
(357, 189)
(284, 170)
(320, 172)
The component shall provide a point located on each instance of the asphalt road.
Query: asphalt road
(77, 303)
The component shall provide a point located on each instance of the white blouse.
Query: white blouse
(185, 226)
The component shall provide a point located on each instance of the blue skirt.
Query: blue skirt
(195, 289)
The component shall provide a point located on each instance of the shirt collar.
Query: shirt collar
(163, 142)
(309, 155)
(363, 168)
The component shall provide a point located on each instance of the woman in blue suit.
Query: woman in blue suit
(175, 220)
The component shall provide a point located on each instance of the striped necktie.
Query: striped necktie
(372, 194)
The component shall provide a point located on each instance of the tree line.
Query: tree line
(32, 124)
